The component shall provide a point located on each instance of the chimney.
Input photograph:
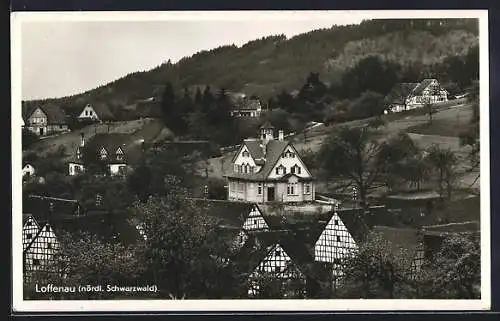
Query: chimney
(280, 134)
(82, 140)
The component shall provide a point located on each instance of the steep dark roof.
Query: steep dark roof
(228, 213)
(267, 125)
(109, 227)
(132, 150)
(356, 223)
(421, 86)
(403, 241)
(274, 149)
(41, 209)
(55, 114)
(399, 93)
(103, 112)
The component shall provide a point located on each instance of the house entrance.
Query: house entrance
(270, 194)
(41, 131)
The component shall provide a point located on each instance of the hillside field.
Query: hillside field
(147, 129)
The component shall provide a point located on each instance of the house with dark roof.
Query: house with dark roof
(45, 119)
(269, 170)
(46, 218)
(245, 107)
(96, 112)
(117, 151)
(28, 170)
(406, 96)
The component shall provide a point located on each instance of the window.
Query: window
(255, 222)
(291, 188)
(336, 222)
(259, 189)
(36, 262)
(103, 153)
(307, 188)
(28, 223)
(49, 245)
(47, 228)
(245, 154)
(338, 238)
(276, 269)
(29, 236)
(277, 253)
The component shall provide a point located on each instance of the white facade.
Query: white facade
(335, 243)
(30, 230)
(117, 169)
(28, 170)
(428, 96)
(75, 168)
(255, 221)
(245, 160)
(41, 252)
(38, 124)
(289, 162)
(277, 264)
(288, 191)
(288, 181)
(88, 113)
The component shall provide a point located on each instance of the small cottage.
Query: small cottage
(117, 152)
(96, 112)
(45, 119)
(406, 96)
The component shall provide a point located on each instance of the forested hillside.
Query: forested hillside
(267, 66)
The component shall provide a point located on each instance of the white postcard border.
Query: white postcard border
(20, 305)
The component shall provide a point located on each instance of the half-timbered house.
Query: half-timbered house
(406, 96)
(45, 119)
(47, 218)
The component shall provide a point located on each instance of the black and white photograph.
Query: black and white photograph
(265, 160)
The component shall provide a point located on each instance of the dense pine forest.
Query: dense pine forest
(267, 66)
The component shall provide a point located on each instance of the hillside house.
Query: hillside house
(406, 96)
(28, 170)
(148, 108)
(96, 112)
(117, 152)
(45, 119)
(246, 107)
(269, 170)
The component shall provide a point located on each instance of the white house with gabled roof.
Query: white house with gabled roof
(269, 170)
